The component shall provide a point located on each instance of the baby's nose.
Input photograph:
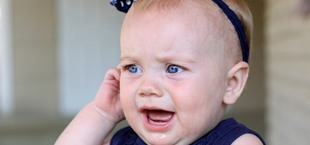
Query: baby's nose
(150, 86)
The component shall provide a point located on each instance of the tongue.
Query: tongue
(160, 116)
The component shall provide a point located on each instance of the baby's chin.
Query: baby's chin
(162, 139)
(153, 141)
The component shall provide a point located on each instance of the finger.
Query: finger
(111, 78)
(112, 74)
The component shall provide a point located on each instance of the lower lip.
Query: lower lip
(157, 127)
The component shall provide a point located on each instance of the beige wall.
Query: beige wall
(34, 49)
(288, 74)
(253, 98)
(33, 43)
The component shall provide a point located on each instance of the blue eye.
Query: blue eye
(174, 69)
(133, 69)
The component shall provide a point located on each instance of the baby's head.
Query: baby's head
(181, 66)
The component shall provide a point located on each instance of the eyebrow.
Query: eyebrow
(161, 58)
(169, 58)
(126, 58)
(129, 59)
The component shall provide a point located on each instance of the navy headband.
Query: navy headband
(124, 5)
(238, 26)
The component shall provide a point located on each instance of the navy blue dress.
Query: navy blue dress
(226, 132)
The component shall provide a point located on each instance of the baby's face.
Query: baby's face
(171, 85)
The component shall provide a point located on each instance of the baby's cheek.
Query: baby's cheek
(125, 97)
(189, 116)
(191, 123)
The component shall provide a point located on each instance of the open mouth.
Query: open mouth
(157, 119)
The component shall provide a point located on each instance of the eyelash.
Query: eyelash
(128, 67)
(175, 66)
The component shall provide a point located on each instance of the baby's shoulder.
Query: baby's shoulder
(247, 139)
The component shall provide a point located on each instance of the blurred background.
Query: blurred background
(54, 54)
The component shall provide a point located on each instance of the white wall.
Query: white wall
(88, 46)
(5, 59)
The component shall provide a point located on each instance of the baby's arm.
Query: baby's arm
(95, 121)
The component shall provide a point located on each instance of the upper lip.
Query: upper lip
(148, 108)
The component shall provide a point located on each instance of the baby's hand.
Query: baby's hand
(107, 101)
(91, 127)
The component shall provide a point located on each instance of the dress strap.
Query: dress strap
(126, 136)
(225, 133)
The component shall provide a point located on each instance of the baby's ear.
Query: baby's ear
(236, 79)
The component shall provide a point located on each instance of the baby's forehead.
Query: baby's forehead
(202, 23)
(198, 12)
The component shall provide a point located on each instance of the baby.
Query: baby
(183, 62)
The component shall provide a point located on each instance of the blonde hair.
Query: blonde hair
(240, 8)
